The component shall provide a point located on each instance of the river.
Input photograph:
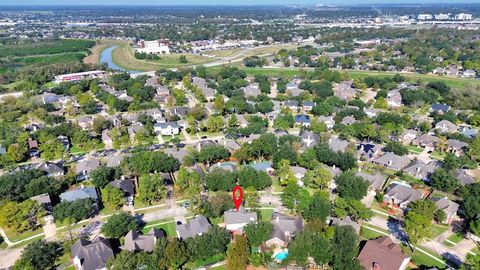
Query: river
(106, 57)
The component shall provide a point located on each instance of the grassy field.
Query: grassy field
(421, 259)
(368, 234)
(223, 53)
(167, 225)
(94, 57)
(124, 57)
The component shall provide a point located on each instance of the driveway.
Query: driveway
(9, 256)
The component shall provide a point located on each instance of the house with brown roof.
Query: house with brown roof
(382, 254)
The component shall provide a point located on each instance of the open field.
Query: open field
(124, 57)
(223, 53)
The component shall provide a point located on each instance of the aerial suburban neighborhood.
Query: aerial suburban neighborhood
(239, 137)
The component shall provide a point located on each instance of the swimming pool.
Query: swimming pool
(281, 255)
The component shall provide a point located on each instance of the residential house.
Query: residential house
(440, 108)
(166, 129)
(127, 186)
(207, 92)
(284, 230)
(348, 120)
(115, 160)
(402, 195)
(135, 241)
(79, 194)
(308, 106)
(369, 150)
(292, 89)
(448, 207)
(236, 220)
(446, 126)
(51, 169)
(328, 120)
(252, 90)
(382, 254)
(394, 99)
(309, 139)
(91, 255)
(426, 141)
(408, 136)
(333, 221)
(231, 145)
(371, 113)
(468, 131)
(178, 153)
(457, 147)
(392, 161)
(65, 141)
(291, 104)
(463, 177)
(84, 168)
(421, 170)
(344, 90)
(226, 166)
(180, 111)
(469, 73)
(85, 122)
(376, 181)
(44, 201)
(156, 114)
(197, 226)
(299, 173)
(302, 120)
(33, 148)
(133, 130)
(48, 98)
(337, 145)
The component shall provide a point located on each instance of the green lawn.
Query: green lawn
(414, 149)
(209, 261)
(439, 229)
(368, 234)
(221, 267)
(438, 155)
(15, 236)
(266, 214)
(421, 259)
(169, 228)
(456, 238)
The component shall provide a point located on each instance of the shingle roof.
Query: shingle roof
(139, 242)
(92, 254)
(285, 227)
(126, 185)
(196, 226)
(403, 194)
(376, 180)
(383, 252)
(78, 194)
(446, 205)
(393, 161)
(241, 216)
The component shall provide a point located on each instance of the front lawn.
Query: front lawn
(421, 259)
(266, 214)
(199, 263)
(438, 229)
(453, 239)
(15, 236)
(168, 227)
(368, 234)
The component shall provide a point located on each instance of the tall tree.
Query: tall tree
(38, 255)
(151, 188)
(238, 253)
(345, 245)
(259, 232)
(112, 197)
(119, 225)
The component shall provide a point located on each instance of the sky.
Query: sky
(220, 2)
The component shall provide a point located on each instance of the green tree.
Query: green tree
(320, 208)
(259, 232)
(17, 152)
(22, 216)
(38, 255)
(238, 253)
(112, 197)
(119, 225)
(307, 244)
(351, 187)
(418, 221)
(318, 178)
(74, 211)
(214, 124)
(345, 246)
(175, 254)
(103, 175)
(52, 149)
(151, 188)
(474, 149)
(296, 198)
(129, 260)
(442, 180)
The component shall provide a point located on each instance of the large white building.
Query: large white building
(79, 76)
(442, 16)
(161, 46)
(424, 17)
(463, 17)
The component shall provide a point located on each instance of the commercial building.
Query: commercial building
(161, 46)
(72, 77)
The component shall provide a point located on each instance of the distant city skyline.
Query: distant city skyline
(223, 2)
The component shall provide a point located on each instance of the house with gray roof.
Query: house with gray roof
(327, 120)
(50, 168)
(344, 90)
(440, 108)
(337, 144)
(135, 241)
(446, 126)
(308, 105)
(408, 136)
(392, 161)
(79, 194)
(421, 170)
(178, 153)
(426, 141)
(402, 195)
(348, 120)
(167, 128)
(44, 200)
(299, 173)
(252, 90)
(115, 160)
(91, 255)
(291, 104)
(468, 131)
(309, 139)
(125, 185)
(463, 177)
(284, 229)
(448, 207)
(376, 180)
(457, 147)
(84, 168)
(197, 226)
(201, 83)
(236, 220)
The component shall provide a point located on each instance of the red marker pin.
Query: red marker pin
(237, 200)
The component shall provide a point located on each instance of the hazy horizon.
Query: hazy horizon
(224, 3)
